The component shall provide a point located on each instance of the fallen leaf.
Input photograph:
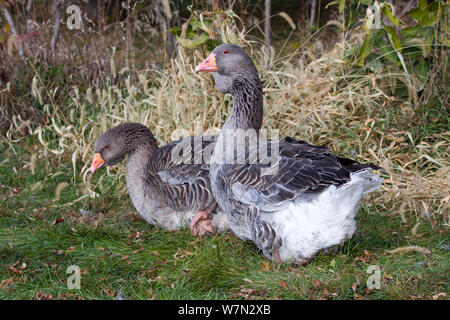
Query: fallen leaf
(284, 284)
(182, 253)
(437, 296)
(109, 292)
(333, 263)
(358, 297)
(354, 286)
(409, 249)
(139, 250)
(43, 296)
(317, 283)
(57, 252)
(65, 296)
(59, 220)
(15, 270)
(246, 292)
(161, 279)
(265, 266)
(248, 280)
(68, 250)
(388, 276)
(5, 283)
(150, 294)
(99, 220)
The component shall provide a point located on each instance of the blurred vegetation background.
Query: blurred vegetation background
(369, 79)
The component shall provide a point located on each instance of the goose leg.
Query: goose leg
(276, 256)
(266, 239)
(201, 224)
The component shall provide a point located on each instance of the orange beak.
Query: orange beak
(209, 64)
(97, 162)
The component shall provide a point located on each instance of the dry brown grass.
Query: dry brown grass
(324, 101)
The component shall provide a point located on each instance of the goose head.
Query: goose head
(227, 63)
(234, 72)
(112, 147)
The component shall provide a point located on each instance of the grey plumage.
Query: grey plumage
(267, 209)
(165, 191)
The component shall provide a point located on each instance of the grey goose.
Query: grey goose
(308, 205)
(165, 191)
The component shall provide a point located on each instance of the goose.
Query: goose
(165, 190)
(302, 205)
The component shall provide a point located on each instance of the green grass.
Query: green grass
(118, 252)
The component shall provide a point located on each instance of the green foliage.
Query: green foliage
(205, 30)
(391, 41)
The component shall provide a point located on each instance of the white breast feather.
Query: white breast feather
(322, 221)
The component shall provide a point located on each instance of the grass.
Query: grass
(120, 254)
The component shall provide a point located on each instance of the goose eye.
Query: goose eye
(225, 51)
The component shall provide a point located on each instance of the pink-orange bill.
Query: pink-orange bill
(97, 162)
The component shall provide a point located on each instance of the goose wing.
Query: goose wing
(183, 161)
(302, 168)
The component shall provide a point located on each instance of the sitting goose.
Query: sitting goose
(165, 192)
(308, 204)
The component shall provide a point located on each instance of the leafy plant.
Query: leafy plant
(390, 40)
(207, 30)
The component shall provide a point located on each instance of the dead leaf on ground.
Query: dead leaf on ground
(246, 292)
(59, 220)
(16, 271)
(161, 279)
(265, 266)
(248, 280)
(317, 283)
(182, 254)
(43, 296)
(139, 250)
(5, 283)
(69, 250)
(437, 296)
(409, 249)
(99, 220)
(358, 297)
(109, 292)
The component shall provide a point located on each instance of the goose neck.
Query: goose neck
(247, 112)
